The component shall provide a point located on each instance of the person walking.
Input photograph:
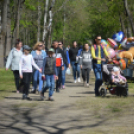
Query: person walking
(13, 61)
(75, 65)
(25, 70)
(59, 63)
(86, 64)
(38, 56)
(49, 70)
(66, 63)
(98, 52)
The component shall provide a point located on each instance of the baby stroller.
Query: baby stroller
(113, 88)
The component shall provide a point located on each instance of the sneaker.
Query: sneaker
(57, 90)
(87, 84)
(42, 97)
(79, 80)
(17, 91)
(33, 91)
(50, 99)
(63, 87)
(23, 97)
(28, 98)
(75, 81)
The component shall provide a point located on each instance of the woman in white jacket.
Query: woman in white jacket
(13, 61)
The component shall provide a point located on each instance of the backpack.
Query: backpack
(100, 45)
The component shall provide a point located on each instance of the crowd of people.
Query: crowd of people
(44, 66)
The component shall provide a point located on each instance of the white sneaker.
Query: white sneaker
(87, 84)
(75, 81)
(79, 80)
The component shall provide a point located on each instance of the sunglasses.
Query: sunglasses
(59, 44)
(99, 39)
(40, 45)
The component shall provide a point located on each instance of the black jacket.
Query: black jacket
(73, 53)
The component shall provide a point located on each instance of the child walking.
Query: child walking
(49, 70)
(25, 70)
(86, 64)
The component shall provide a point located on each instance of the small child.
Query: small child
(25, 70)
(49, 70)
(117, 77)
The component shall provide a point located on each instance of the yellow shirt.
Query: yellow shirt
(99, 52)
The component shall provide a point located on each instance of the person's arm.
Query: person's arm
(81, 58)
(9, 59)
(44, 64)
(63, 58)
(106, 52)
(68, 59)
(56, 73)
(34, 64)
(93, 52)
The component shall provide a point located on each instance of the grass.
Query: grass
(6, 83)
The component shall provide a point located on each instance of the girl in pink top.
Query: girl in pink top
(25, 70)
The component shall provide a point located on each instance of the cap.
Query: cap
(26, 47)
(115, 69)
(51, 50)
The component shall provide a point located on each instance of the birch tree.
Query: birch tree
(39, 17)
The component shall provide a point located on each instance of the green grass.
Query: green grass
(6, 83)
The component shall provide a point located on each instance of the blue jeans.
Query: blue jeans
(50, 83)
(64, 75)
(128, 72)
(76, 68)
(37, 75)
(59, 73)
(98, 75)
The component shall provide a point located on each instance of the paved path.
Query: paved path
(42, 117)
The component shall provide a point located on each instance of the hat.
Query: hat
(51, 50)
(115, 69)
(26, 47)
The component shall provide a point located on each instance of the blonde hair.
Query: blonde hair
(36, 45)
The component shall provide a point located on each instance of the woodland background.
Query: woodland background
(66, 20)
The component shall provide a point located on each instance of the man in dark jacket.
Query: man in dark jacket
(76, 67)
(66, 63)
(59, 63)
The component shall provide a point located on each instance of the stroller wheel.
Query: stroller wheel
(103, 92)
(125, 92)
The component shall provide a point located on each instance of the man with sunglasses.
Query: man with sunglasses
(98, 54)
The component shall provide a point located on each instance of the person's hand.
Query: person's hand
(56, 77)
(103, 59)
(81, 66)
(6, 69)
(62, 67)
(97, 58)
(21, 76)
(40, 71)
(109, 59)
(69, 66)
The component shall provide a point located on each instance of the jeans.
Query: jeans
(128, 72)
(26, 81)
(64, 75)
(50, 83)
(85, 74)
(76, 68)
(37, 75)
(17, 80)
(98, 75)
(59, 73)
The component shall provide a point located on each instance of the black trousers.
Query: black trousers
(26, 82)
(85, 74)
(18, 81)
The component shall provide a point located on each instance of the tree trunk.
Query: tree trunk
(45, 20)
(3, 31)
(129, 15)
(8, 41)
(39, 18)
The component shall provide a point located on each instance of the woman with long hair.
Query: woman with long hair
(38, 55)
(13, 61)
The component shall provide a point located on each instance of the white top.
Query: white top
(25, 64)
